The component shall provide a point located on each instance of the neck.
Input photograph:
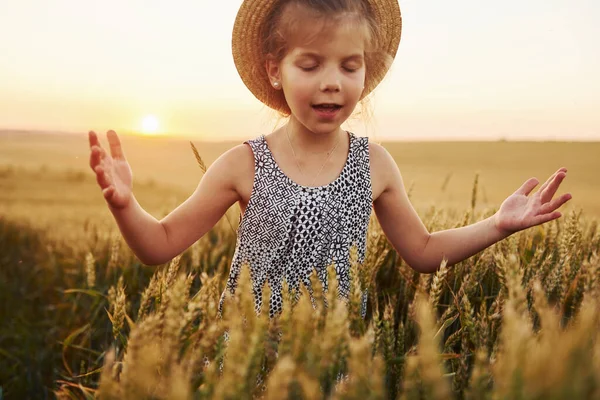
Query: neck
(310, 142)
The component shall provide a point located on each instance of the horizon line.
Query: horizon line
(175, 136)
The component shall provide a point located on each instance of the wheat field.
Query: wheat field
(83, 318)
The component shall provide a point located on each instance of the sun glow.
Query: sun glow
(150, 125)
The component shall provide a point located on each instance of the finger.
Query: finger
(545, 184)
(93, 139)
(555, 204)
(563, 169)
(527, 187)
(115, 145)
(542, 219)
(98, 157)
(95, 156)
(101, 177)
(550, 190)
(103, 154)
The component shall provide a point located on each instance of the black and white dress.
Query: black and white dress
(288, 230)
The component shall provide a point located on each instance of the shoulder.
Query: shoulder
(384, 170)
(236, 167)
(238, 160)
(378, 155)
(377, 152)
(232, 158)
(233, 167)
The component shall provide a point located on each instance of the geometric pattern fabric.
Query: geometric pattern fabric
(288, 230)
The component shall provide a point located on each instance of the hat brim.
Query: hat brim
(247, 46)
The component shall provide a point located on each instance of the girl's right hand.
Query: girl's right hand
(113, 172)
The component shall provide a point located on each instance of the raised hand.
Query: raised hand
(520, 212)
(113, 172)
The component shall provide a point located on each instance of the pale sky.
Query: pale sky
(470, 69)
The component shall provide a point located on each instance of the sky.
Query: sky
(467, 69)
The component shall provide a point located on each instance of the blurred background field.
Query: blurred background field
(45, 178)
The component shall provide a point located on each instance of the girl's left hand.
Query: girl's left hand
(520, 212)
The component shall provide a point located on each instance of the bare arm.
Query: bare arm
(458, 244)
(155, 242)
(143, 233)
(424, 251)
(397, 217)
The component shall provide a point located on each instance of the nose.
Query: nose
(331, 81)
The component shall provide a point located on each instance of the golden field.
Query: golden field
(82, 318)
(41, 173)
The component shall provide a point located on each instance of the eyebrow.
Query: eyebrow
(356, 56)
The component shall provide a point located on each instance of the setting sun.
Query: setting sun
(150, 125)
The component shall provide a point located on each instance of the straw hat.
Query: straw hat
(247, 45)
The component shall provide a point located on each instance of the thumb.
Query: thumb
(108, 192)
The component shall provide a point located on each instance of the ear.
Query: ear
(273, 72)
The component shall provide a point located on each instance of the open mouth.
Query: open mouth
(326, 107)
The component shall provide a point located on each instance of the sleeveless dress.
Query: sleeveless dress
(287, 229)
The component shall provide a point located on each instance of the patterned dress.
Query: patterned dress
(288, 230)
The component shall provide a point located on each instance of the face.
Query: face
(323, 78)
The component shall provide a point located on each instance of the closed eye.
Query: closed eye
(352, 66)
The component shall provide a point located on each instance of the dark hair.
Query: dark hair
(283, 22)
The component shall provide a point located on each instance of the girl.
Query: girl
(306, 190)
